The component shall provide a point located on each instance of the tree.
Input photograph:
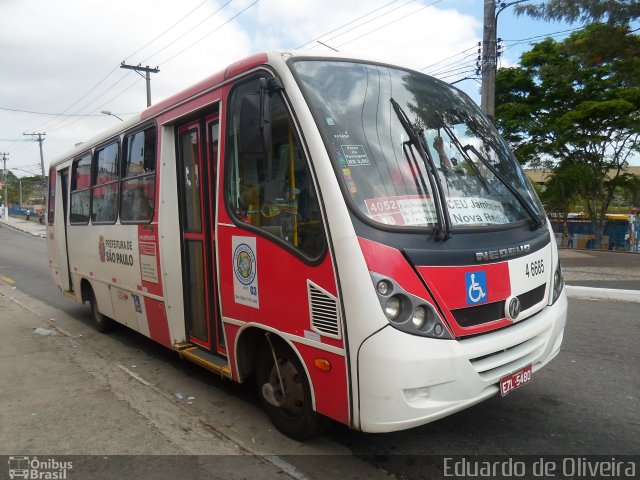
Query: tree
(561, 192)
(27, 188)
(631, 192)
(618, 12)
(577, 103)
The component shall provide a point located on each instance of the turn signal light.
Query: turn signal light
(323, 364)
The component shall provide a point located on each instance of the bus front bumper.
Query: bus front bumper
(407, 381)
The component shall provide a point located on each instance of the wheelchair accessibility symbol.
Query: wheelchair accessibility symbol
(476, 287)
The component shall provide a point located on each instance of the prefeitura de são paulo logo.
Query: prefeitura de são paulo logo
(244, 264)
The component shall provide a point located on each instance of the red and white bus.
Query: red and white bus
(355, 236)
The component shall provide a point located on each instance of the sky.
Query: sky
(60, 60)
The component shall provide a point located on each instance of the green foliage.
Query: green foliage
(584, 11)
(631, 191)
(561, 190)
(576, 104)
(31, 189)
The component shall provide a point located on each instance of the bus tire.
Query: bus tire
(103, 323)
(294, 416)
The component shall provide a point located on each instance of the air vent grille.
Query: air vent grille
(323, 310)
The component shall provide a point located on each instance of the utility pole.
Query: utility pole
(5, 212)
(490, 55)
(40, 139)
(489, 61)
(146, 76)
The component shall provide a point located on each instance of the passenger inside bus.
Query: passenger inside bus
(140, 205)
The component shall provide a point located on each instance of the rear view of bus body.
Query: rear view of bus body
(354, 237)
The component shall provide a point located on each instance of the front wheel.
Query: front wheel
(285, 392)
(103, 323)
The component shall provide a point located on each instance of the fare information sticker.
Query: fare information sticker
(148, 262)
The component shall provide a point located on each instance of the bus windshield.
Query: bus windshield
(460, 173)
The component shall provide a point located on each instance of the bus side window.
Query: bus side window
(270, 186)
(51, 204)
(80, 190)
(104, 190)
(137, 187)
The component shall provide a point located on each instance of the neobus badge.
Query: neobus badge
(489, 255)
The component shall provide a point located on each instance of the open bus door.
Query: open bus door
(197, 148)
(57, 215)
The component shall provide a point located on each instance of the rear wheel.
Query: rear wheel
(285, 392)
(103, 323)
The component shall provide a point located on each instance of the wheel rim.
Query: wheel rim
(292, 402)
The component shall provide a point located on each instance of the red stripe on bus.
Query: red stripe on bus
(330, 388)
(157, 321)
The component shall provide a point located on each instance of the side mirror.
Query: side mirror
(255, 117)
(251, 138)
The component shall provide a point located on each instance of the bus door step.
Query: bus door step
(69, 293)
(211, 362)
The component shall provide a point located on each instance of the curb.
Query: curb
(35, 234)
(603, 293)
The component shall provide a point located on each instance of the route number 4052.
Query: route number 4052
(534, 268)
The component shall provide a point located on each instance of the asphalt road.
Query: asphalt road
(586, 402)
(23, 258)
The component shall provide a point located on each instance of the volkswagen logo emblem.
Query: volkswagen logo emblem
(513, 308)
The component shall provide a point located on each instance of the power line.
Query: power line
(390, 23)
(166, 31)
(453, 70)
(41, 127)
(553, 34)
(523, 40)
(48, 114)
(209, 34)
(368, 21)
(86, 105)
(57, 127)
(190, 30)
(451, 56)
(465, 59)
(456, 74)
(101, 81)
(348, 23)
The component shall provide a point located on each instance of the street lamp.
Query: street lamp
(107, 112)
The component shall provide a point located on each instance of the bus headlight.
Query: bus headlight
(383, 287)
(392, 308)
(408, 313)
(558, 283)
(419, 318)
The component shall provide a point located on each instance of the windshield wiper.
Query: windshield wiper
(416, 138)
(536, 219)
(467, 159)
